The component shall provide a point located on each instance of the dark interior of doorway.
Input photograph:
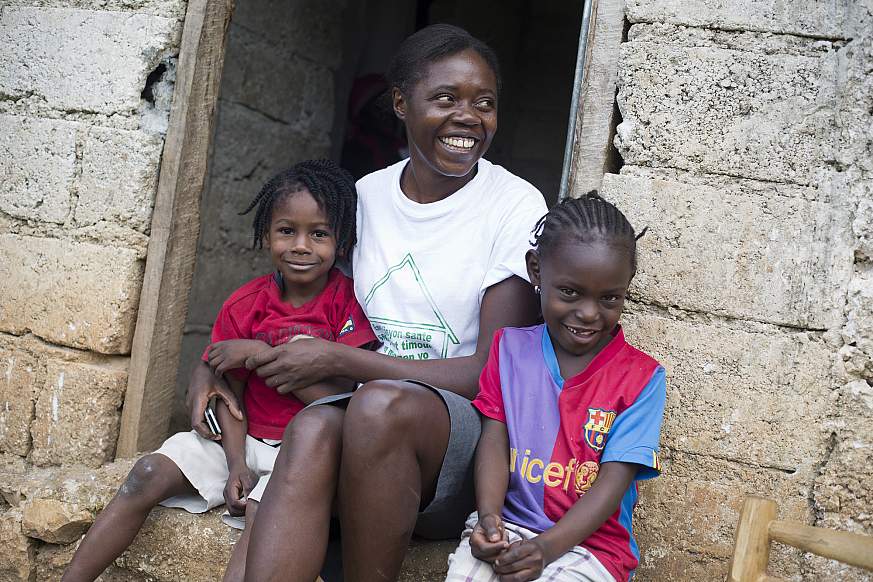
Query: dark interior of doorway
(292, 70)
(536, 42)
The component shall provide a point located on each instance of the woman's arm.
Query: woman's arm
(511, 302)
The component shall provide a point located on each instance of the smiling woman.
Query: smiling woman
(449, 126)
(438, 268)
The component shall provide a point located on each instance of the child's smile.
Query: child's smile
(583, 288)
(302, 246)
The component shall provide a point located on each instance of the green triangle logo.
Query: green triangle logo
(413, 340)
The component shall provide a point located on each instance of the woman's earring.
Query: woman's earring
(537, 289)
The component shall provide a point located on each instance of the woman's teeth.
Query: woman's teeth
(462, 143)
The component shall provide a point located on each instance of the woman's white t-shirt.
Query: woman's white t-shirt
(421, 270)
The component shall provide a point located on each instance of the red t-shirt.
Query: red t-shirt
(256, 311)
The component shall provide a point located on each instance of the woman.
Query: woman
(439, 266)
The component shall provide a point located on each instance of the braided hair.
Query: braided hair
(431, 44)
(332, 187)
(584, 220)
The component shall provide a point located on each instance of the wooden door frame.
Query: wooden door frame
(175, 228)
(597, 76)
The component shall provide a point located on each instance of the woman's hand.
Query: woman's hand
(489, 538)
(522, 561)
(239, 484)
(232, 354)
(296, 365)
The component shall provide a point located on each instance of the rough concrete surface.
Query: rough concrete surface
(255, 84)
(857, 351)
(78, 413)
(312, 29)
(728, 400)
(74, 294)
(86, 487)
(18, 550)
(778, 259)
(175, 545)
(686, 518)
(165, 8)
(81, 60)
(53, 521)
(18, 388)
(119, 178)
(37, 168)
(837, 19)
(767, 116)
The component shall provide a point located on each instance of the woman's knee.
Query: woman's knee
(388, 407)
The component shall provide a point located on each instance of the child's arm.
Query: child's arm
(233, 431)
(231, 354)
(488, 539)
(202, 387)
(525, 560)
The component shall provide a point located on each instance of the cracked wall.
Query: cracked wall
(82, 121)
(747, 142)
(80, 149)
(275, 108)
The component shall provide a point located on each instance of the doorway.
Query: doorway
(297, 76)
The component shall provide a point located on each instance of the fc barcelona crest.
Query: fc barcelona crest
(597, 427)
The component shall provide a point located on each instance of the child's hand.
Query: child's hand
(489, 538)
(239, 484)
(204, 386)
(522, 561)
(231, 354)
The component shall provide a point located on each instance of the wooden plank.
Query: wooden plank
(174, 230)
(592, 139)
(849, 548)
(752, 541)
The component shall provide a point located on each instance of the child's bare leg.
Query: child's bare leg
(289, 538)
(236, 568)
(152, 479)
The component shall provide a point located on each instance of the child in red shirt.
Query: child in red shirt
(305, 218)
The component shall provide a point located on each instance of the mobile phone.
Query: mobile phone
(211, 421)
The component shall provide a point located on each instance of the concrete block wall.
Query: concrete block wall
(276, 108)
(85, 89)
(85, 92)
(747, 140)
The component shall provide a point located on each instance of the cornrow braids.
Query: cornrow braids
(332, 187)
(584, 220)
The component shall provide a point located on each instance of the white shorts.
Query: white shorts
(577, 565)
(205, 466)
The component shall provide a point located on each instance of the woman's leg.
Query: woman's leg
(394, 438)
(152, 479)
(289, 537)
(236, 568)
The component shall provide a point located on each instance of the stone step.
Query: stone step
(43, 513)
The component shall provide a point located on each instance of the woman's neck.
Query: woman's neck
(421, 184)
